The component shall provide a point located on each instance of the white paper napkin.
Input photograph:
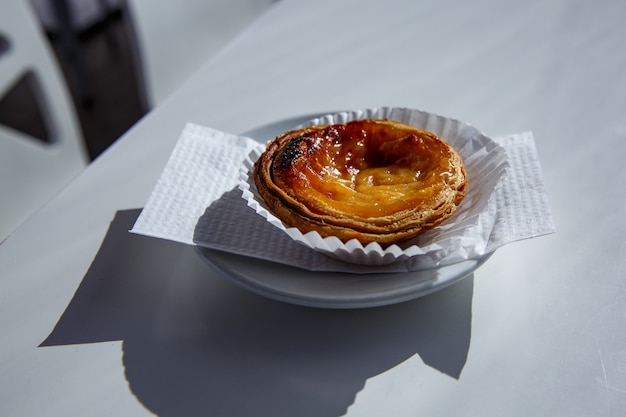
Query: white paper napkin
(197, 201)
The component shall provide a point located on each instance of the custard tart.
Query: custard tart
(374, 180)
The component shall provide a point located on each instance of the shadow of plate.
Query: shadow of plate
(195, 344)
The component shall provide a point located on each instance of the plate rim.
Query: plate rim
(219, 262)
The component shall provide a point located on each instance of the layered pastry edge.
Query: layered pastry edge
(374, 180)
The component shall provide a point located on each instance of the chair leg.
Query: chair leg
(71, 48)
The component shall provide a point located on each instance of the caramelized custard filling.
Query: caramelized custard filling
(363, 170)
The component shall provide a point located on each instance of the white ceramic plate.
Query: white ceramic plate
(329, 289)
(334, 289)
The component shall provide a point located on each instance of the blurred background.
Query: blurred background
(76, 74)
(122, 57)
(94, 52)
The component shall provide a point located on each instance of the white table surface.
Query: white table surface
(95, 321)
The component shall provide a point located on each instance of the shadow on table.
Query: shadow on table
(195, 344)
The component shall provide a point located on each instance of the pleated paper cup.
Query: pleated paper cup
(462, 236)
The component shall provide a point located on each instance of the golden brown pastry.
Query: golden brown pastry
(375, 180)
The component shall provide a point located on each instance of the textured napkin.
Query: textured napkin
(197, 201)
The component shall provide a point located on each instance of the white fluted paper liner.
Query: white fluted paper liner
(196, 201)
(465, 235)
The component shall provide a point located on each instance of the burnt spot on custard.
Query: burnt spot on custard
(296, 148)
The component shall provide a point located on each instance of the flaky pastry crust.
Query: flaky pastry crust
(374, 180)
